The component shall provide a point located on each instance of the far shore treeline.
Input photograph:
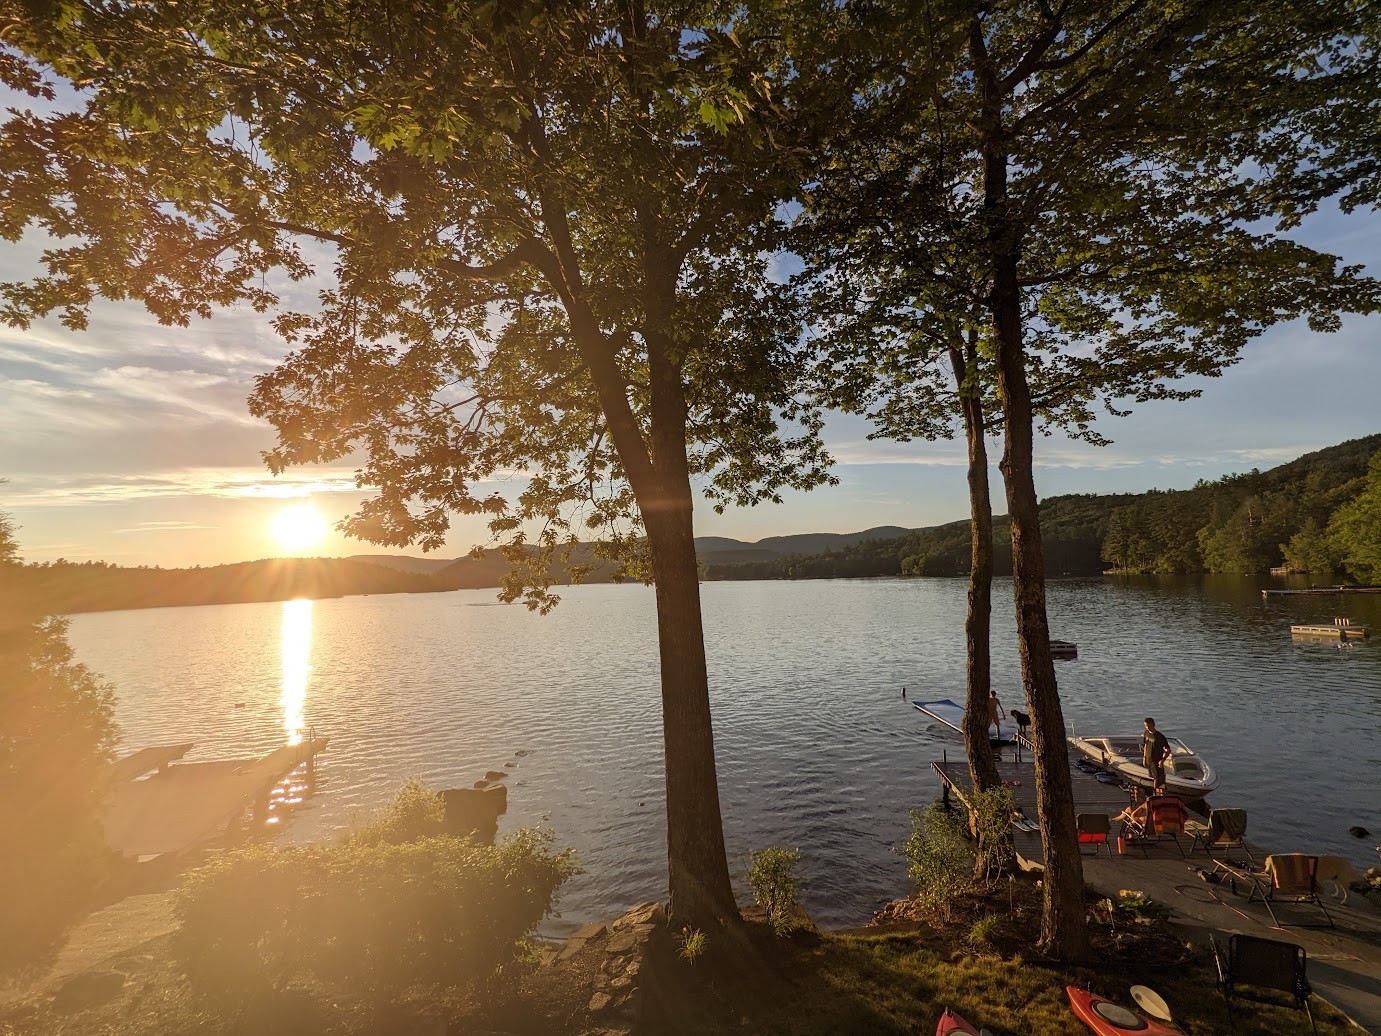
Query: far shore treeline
(1246, 523)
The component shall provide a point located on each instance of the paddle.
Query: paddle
(1152, 1003)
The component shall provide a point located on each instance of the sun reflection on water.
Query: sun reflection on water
(297, 668)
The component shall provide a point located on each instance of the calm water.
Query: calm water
(816, 749)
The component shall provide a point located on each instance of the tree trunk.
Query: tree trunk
(701, 894)
(1064, 927)
(977, 624)
(1064, 930)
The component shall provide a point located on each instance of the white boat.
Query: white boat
(1186, 775)
(951, 714)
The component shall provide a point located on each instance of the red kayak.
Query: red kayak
(1107, 1018)
(951, 1023)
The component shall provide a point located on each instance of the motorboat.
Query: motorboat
(1186, 775)
(951, 714)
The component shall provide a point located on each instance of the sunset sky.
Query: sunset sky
(131, 442)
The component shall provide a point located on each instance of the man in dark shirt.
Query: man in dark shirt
(1154, 751)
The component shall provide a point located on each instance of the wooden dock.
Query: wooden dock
(1344, 962)
(1335, 630)
(185, 806)
(1090, 796)
(1321, 591)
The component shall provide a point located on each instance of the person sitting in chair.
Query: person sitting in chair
(1135, 813)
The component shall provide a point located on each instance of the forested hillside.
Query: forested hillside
(64, 587)
(1319, 513)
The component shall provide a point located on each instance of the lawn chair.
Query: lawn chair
(1093, 829)
(1293, 878)
(1226, 829)
(1263, 964)
(1164, 815)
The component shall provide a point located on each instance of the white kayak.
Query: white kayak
(1186, 775)
(951, 714)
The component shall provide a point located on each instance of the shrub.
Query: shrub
(416, 812)
(940, 859)
(371, 916)
(983, 929)
(992, 826)
(773, 881)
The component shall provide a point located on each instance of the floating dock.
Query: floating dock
(1335, 630)
(185, 806)
(1321, 591)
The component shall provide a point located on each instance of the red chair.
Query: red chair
(1093, 829)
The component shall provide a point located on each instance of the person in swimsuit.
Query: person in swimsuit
(996, 713)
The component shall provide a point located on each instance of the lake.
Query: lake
(816, 749)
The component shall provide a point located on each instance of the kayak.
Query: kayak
(951, 1023)
(1107, 1018)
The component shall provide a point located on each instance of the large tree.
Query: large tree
(545, 222)
(57, 731)
(1093, 179)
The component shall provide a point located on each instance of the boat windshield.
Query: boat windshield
(1129, 746)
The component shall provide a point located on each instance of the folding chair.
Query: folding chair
(1164, 815)
(1263, 964)
(1226, 829)
(1093, 829)
(1294, 878)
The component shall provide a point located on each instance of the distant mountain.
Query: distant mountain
(64, 587)
(404, 563)
(472, 573)
(819, 542)
(1240, 523)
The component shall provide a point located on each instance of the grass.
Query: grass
(808, 985)
(885, 984)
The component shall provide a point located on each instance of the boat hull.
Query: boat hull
(1194, 779)
(951, 1024)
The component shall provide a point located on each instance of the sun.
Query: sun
(299, 528)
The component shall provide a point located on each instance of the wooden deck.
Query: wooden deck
(1090, 796)
(141, 762)
(185, 805)
(1344, 962)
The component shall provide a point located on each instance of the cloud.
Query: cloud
(67, 491)
(164, 527)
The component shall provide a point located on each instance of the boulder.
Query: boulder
(475, 811)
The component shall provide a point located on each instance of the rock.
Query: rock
(494, 775)
(579, 939)
(88, 989)
(475, 810)
(644, 913)
(1358, 832)
(622, 982)
(599, 1002)
(623, 942)
(521, 752)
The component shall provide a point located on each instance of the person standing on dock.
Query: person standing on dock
(1154, 751)
(995, 710)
